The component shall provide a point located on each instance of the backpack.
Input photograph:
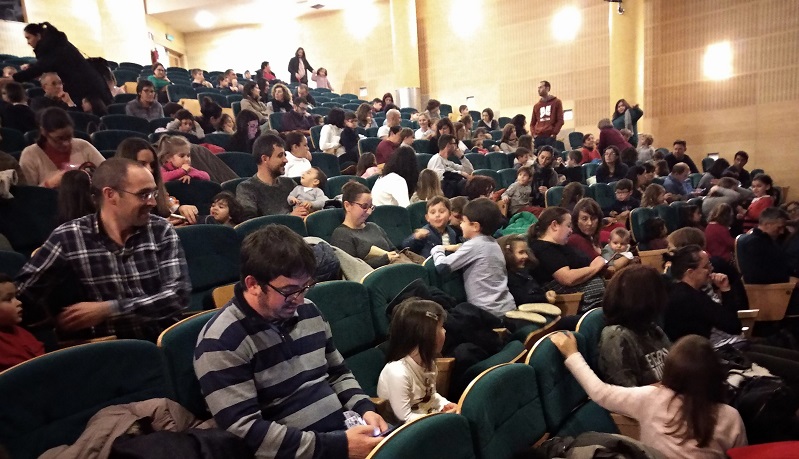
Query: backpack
(767, 406)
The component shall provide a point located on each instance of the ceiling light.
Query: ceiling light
(566, 23)
(205, 19)
(717, 62)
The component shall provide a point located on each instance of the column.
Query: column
(626, 52)
(405, 50)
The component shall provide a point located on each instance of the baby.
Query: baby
(309, 192)
(619, 246)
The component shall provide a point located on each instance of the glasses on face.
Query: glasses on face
(143, 196)
(294, 294)
(365, 206)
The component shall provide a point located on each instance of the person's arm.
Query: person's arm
(636, 113)
(319, 199)
(226, 380)
(570, 277)
(198, 131)
(198, 174)
(618, 364)
(248, 198)
(466, 166)
(345, 240)
(399, 387)
(533, 120)
(687, 159)
(436, 164)
(171, 175)
(602, 143)
(510, 192)
(557, 115)
(464, 256)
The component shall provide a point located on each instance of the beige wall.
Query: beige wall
(159, 31)
(757, 110)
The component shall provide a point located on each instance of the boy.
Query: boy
(199, 79)
(624, 203)
(9, 71)
(16, 344)
(456, 214)
(618, 247)
(436, 231)
(573, 170)
(463, 110)
(485, 275)
(309, 192)
(184, 122)
(518, 193)
(523, 156)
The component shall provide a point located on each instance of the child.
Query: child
(691, 215)
(685, 416)
(9, 71)
(519, 260)
(624, 203)
(174, 154)
(656, 232)
(720, 242)
(456, 215)
(309, 192)
(436, 231)
(654, 195)
(484, 274)
(16, 344)
(184, 122)
(225, 210)
(523, 157)
(518, 193)
(75, 198)
(227, 125)
(572, 193)
(408, 381)
(367, 166)
(198, 79)
(619, 245)
(320, 77)
(573, 170)
(427, 187)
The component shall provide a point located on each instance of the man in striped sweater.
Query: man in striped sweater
(268, 367)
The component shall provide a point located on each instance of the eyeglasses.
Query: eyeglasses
(364, 206)
(143, 196)
(291, 296)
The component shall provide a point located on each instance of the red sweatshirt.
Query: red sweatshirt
(16, 346)
(547, 118)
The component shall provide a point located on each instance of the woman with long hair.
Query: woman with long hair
(509, 141)
(572, 194)
(364, 116)
(246, 132)
(281, 100)
(763, 189)
(75, 196)
(252, 102)
(299, 68)
(586, 226)
(211, 115)
(626, 116)
(398, 180)
(611, 169)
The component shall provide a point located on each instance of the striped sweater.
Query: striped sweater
(280, 386)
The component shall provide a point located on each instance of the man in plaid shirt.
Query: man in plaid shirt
(118, 272)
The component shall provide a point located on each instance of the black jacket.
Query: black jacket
(294, 66)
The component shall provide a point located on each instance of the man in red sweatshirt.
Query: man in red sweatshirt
(547, 118)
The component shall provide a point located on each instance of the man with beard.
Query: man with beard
(118, 272)
(267, 192)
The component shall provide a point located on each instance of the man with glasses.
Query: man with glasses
(267, 364)
(118, 272)
(298, 119)
(144, 105)
(54, 94)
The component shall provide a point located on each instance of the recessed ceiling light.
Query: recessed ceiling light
(205, 19)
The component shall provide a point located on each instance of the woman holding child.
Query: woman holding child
(563, 268)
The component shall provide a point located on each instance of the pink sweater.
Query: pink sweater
(720, 242)
(653, 408)
(169, 173)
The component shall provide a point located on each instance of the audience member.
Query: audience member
(713, 175)
(436, 231)
(320, 77)
(367, 166)
(626, 116)
(252, 102)
(522, 157)
(54, 95)
(388, 99)
(144, 105)
(586, 227)
(509, 141)
(56, 151)
(588, 149)
(645, 149)
(75, 198)
(299, 67)
(330, 135)
(432, 111)
(16, 114)
(519, 260)
(720, 242)
(242, 359)
(211, 119)
(655, 231)
(159, 81)
(544, 176)
(302, 91)
(126, 267)
(298, 119)
(16, 344)
(624, 203)
(9, 71)
(517, 195)
(356, 236)
(349, 140)
(617, 250)
(487, 120)
(737, 169)
(440, 162)
(762, 188)
(94, 105)
(676, 184)
(765, 260)
(479, 186)
(386, 148)
(519, 122)
(654, 195)
(398, 179)
(691, 216)
(184, 122)
(610, 136)
(174, 154)
(364, 116)
(298, 155)
(425, 131)
(226, 124)
(233, 81)
(267, 192)
(611, 169)
(428, 186)
(281, 99)
(198, 79)
(641, 176)
(572, 194)
(225, 210)
(679, 156)
(310, 192)
(547, 118)
(485, 277)
(393, 118)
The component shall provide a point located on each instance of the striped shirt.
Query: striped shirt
(146, 280)
(281, 386)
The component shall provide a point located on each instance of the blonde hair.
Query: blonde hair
(168, 145)
(428, 185)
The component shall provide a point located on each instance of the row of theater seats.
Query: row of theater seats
(507, 406)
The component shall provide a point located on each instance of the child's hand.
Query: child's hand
(542, 189)
(186, 167)
(293, 200)
(505, 198)
(420, 234)
(449, 408)
(306, 204)
(551, 296)
(452, 247)
(565, 342)
(185, 179)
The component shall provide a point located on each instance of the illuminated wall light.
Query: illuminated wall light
(466, 17)
(717, 62)
(205, 19)
(566, 23)
(359, 16)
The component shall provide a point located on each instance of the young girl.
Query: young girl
(520, 261)
(226, 124)
(762, 187)
(174, 154)
(691, 215)
(320, 77)
(75, 196)
(428, 186)
(654, 195)
(408, 381)
(656, 232)
(572, 193)
(367, 166)
(686, 415)
(225, 210)
(720, 242)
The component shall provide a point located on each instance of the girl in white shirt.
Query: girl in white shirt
(686, 416)
(424, 131)
(408, 381)
(398, 180)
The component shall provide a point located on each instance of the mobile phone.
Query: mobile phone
(179, 217)
(386, 432)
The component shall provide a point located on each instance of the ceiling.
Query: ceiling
(180, 14)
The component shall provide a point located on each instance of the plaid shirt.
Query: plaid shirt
(146, 280)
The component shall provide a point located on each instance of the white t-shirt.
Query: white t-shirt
(296, 166)
(404, 383)
(392, 190)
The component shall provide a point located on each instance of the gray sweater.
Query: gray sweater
(315, 196)
(519, 196)
(358, 242)
(259, 199)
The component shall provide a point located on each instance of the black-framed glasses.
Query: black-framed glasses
(363, 206)
(293, 295)
(143, 196)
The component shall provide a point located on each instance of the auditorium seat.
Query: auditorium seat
(293, 222)
(334, 184)
(199, 193)
(125, 123)
(212, 256)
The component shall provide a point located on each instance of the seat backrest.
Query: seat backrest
(316, 132)
(423, 146)
(440, 435)
(48, 400)
(554, 196)
(394, 220)
(638, 219)
(707, 163)
(490, 173)
(327, 163)
(422, 159)
(82, 120)
(669, 214)
(504, 411)
(589, 170)
(199, 193)
(11, 263)
(416, 214)
(243, 164)
(220, 139)
(110, 139)
(12, 140)
(346, 307)
(159, 123)
(334, 184)
(384, 284)
(451, 283)
(29, 218)
(575, 140)
(293, 222)
(590, 326)
(126, 122)
(496, 134)
(507, 176)
(323, 222)
(368, 145)
(497, 161)
(604, 194)
(212, 255)
(478, 160)
(232, 184)
(218, 98)
(178, 343)
(175, 92)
